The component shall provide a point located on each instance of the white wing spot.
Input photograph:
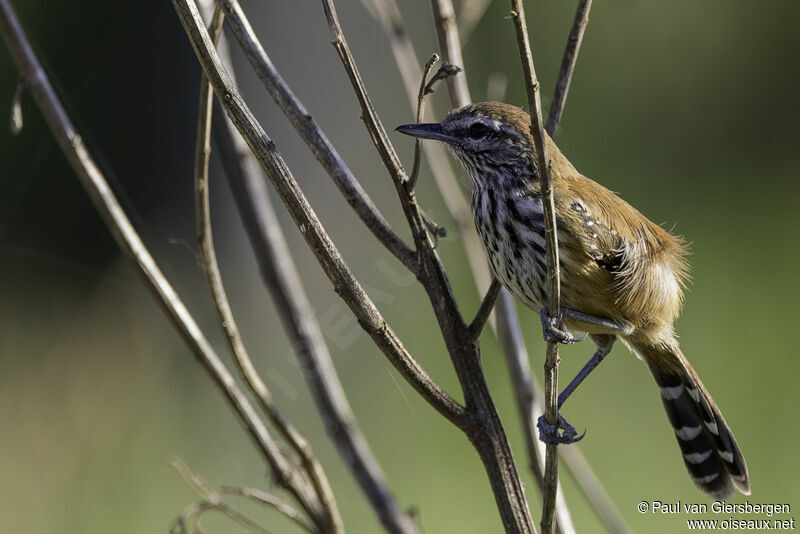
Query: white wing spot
(694, 394)
(688, 433)
(697, 457)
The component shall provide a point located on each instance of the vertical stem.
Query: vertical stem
(554, 283)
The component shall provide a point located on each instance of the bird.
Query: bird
(622, 276)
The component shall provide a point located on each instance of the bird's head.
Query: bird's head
(491, 139)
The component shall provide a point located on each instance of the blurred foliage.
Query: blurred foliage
(687, 109)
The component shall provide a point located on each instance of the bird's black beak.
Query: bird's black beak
(424, 131)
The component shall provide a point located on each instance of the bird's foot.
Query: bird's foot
(553, 329)
(562, 433)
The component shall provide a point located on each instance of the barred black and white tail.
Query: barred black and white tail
(709, 449)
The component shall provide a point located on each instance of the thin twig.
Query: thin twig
(568, 65)
(444, 18)
(554, 283)
(280, 275)
(318, 240)
(424, 88)
(128, 239)
(324, 498)
(313, 136)
(271, 501)
(212, 499)
(477, 324)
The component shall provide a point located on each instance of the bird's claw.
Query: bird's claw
(553, 329)
(562, 433)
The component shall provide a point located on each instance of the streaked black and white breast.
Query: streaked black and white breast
(508, 214)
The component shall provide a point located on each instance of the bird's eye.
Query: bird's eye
(479, 130)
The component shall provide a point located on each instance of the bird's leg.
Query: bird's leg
(554, 329)
(603, 342)
(563, 432)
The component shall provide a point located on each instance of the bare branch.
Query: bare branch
(212, 499)
(444, 17)
(477, 324)
(554, 280)
(318, 240)
(568, 65)
(271, 501)
(332, 520)
(314, 137)
(131, 244)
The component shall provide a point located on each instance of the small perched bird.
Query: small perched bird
(622, 276)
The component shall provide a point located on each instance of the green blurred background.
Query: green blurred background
(688, 109)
